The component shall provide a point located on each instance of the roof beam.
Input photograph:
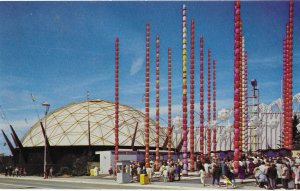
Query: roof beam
(11, 147)
(44, 133)
(16, 138)
(134, 135)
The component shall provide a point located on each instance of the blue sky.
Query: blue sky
(60, 50)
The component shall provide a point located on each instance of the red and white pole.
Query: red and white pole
(201, 98)
(208, 106)
(192, 89)
(290, 76)
(116, 103)
(157, 106)
(169, 103)
(214, 106)
(237, 83)
(246, 101)
(184, 92)
(147, 86)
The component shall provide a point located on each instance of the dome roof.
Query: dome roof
(68, 126)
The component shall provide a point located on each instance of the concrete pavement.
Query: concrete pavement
(192, 182)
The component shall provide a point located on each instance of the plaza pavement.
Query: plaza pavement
(192, 182)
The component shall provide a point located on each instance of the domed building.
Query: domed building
(75, 132)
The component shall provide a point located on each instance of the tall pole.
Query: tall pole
(237, 88)
(246, 101)
(116, 104)
(147, 85)
(201, 97)
(192, 89)
(284, 93)
(184, 92)
(208, 106)
(286, 122)
(45, 150)
(290, 73)
(242, 95)
(89, 125)
(169, 102)
(214, 106)
(47, 106)
(157, 106)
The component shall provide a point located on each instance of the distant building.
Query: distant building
(69, 130)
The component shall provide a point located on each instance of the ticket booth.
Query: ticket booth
(123, 172)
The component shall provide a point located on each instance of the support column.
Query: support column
(157, 107)
(184, 93)
(237, 88)
(208, 135)
(192, 88)
(214, 106)
(169, 103)
(117, 104)
(201, 98)
(147, 85)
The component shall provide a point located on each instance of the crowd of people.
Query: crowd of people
(169, 171)
(268, 173)
(17, 171)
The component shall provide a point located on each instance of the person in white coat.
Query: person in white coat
(96, 171)
(296, 171)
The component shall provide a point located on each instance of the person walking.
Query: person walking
(222, 166)
(51, 172)
(178, 171)
(228, 170)
(17, 171)
(6, 171)
(272, 176)
(216, 174)
(285, 176)
(296, 171)
(251, 167)
(171, 173)
(164, 171)
(207, 167)
(149, 173)
(279, 171)
(138, 172)
(202, 174)
(242, 172)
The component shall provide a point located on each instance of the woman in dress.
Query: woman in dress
(242, 172)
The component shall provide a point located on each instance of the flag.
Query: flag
(32, 97)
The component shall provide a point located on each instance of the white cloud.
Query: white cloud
(136, 65)
(18, 125)
(271, 61)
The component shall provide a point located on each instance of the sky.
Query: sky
(58, 51)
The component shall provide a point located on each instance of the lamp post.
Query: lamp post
(47, 106)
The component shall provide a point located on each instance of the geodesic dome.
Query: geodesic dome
(68, 126)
